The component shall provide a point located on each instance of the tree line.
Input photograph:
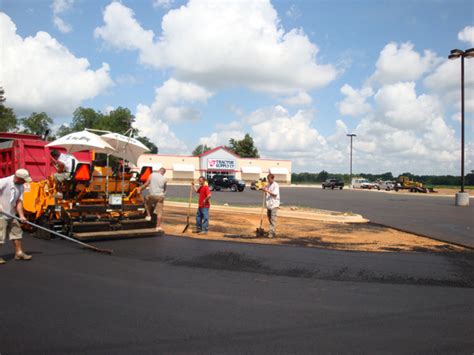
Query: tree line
(119, 120)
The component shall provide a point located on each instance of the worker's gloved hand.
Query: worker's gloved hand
(23, 219)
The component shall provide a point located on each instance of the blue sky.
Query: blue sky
(296, 75)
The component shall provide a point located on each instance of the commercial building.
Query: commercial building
(219, 160)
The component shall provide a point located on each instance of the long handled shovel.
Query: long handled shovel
(91, 247)
(260, 231)
(189, 208)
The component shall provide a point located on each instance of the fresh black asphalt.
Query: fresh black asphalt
(174, 295)
(428, 215)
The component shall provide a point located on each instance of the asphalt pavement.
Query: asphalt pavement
(429, 215)
(179, 295)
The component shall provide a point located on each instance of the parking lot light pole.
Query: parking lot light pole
(462, 198)
(350, 174)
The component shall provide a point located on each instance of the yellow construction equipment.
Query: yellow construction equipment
(404, 183)
(90, 204)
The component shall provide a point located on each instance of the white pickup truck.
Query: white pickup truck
(364, 184)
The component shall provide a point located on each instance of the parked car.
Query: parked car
(364, 184)
(219, 182)
(387, 185)
(333, 184)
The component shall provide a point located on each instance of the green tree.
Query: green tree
(119, 120)
(200, 149)
(150, 145)
(244, 147)
(322, 176)
(2, 95)
(8, 120)
(83, 118)
(36, 123)
(64, 130)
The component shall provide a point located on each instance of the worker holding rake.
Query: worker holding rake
(272, 199)
(11, 202)
(202, 215)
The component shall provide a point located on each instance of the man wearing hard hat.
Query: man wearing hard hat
(11, 202)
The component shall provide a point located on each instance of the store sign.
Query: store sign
(221, 164)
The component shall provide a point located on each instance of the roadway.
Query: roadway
(428, 215)
(179, 295)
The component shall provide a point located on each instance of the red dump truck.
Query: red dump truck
(29, 151)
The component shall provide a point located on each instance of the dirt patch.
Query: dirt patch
(240, 227)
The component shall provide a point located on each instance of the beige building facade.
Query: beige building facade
(220, 161)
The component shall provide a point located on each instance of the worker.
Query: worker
(272, 200)
(156, 196)
(64, 164)
(11, 202)
(202, 214)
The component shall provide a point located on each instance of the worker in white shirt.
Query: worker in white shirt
(272, 199)
(64, 164)
(11, 202)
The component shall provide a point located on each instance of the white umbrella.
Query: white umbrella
(125, 147)
(83, 140)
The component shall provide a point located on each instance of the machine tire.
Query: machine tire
(233, 188)
(332, 187)
(340, 187)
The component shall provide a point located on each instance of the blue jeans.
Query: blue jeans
(202, 219)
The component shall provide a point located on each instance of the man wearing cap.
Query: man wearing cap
(272, 199)
(11, 202)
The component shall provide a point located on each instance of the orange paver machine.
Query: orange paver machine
(94, 203)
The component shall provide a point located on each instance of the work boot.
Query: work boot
(23, 256)
(2, 261)
(271, 235)
(148, 218)
(203, 232)
(159, 230)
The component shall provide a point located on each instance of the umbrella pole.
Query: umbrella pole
(107, 181)
(123, 170)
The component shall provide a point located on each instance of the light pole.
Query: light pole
(462, 198)
(350, 175)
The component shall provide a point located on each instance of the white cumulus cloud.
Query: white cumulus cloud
(158, 131)
(399, 106)
(166, 4)
(302, 98)
(354, 103)
(402, 63)
(467, 35)
(60, 6)
(40, 74)
(199, 41)
(173, 98)
(281, 132)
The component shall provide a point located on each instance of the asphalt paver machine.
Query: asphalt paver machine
(94, 203)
